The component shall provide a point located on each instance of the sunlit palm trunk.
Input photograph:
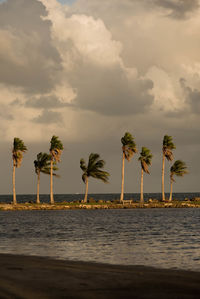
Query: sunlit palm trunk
(170, 197)
(141, 188)
(51, 183)
(163, 182)
(14, 192)
(86, 190)
(122, 187)
(38, 188)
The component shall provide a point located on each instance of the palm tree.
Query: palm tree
(56, 148)
(167, 149)
(93, 169)
(179, 168)
(128, 150)
(17, 155)
(145, 160)
(42, 164)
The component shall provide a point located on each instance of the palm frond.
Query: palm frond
(56, 148)
(179, 168)
(128, 146)
(145, 159)
(42, 163)
(55, 143)
(168, 147)
(84, 176)
(93, 169)
(17, 152)
(83, 165)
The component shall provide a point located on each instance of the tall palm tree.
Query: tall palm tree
(145, 160)
(17, 155)
(128, 150)
(179, 168)
(167, 149)
(42, 164)
(93, 169)
(56, 148)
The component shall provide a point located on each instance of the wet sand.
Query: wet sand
(37, 277)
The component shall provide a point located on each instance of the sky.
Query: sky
(88, 71)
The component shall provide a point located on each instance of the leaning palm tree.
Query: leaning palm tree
(179, 168)
(93, 169)
(167, 149)
(17, 155)
(42, 164)
(128, 150)
(145, 160)
(56, 148)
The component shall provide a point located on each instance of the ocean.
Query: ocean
(22, 198)
(163, 238)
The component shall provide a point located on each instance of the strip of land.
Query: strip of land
(101, 205)
(37, 277)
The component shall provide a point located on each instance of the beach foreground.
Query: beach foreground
(37, 277)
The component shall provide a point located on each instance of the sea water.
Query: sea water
(110, 196)
(164, 238)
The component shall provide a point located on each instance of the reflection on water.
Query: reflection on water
(167, 238)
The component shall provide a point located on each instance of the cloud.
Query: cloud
(192, 96)
(48, 117)
(5, 115)
(48, 102)
(93, 67)
(27, 56)
(176, 9)
(110, 91)
(179, 9)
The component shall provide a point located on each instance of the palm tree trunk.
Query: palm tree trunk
(141, 188)
(38, 188)
(86, 190)
(122, 187)
(163, 174)
(51, 183)
(170, 197)
(14, 192)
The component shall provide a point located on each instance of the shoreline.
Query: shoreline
(41, 277)
(99, 205)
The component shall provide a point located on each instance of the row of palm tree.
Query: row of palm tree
(47, 164)
(179, 168)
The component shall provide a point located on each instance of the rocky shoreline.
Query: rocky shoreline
(193, 203)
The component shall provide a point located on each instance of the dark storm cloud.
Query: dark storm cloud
(179, 9)
(48, 117)
(27, 57)
(108, 91)
(192, 96)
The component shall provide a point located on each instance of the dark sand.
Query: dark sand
(35, 277)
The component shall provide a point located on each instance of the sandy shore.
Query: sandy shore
(36, 277)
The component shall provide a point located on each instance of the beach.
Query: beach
(38, 277)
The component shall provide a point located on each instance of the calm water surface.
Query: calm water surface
(165, 238)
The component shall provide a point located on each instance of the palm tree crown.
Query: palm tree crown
(128, 146)
(42, 164)
(93, 169)
(145, 159)
(168, 146)
(179, 168)
(56, 148)
(17, 152)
